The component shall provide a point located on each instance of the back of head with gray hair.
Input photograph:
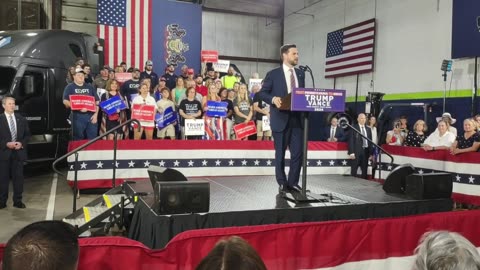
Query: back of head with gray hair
(444, 250)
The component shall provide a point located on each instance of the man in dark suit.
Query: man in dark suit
(333, 133)
(287, 126)
(359, 149)
(14, 134)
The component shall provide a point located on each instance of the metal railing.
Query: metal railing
(83, 146)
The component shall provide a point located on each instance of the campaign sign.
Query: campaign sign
(122, 77)
(221, 66)
(266, 123)
(113, 105)
(254, 82)
(166, 118)
(209, 56)
(143, 112)
(318, 100)
(216, 108)
(80, 102)
(244, 130)
(194, 127)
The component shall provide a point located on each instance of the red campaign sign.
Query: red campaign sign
(80, 102)
(209, 56)
(122, 77)
(143, 112)
(244, 130)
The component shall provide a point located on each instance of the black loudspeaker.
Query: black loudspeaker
(161, 174)
(181, 197)
(395, 181)
(429, 186)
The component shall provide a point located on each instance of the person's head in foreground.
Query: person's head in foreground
(444, 250)
(43, 245)
(233, 253)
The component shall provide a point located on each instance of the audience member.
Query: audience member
(210, 74)
(170, 77)
(229, 79)
(164, 103)
(124, 66)
(218, 84)
(70, 74)
(372, 123)
(469, 142)
(442, 250)
(111, 74)
(145, 99)
(149, 73)
(404, 124)
(242, 106)
(178, 91)
(477, 121)
(79, 61)
(184, 73)
(440, 140)
(396, 135)
(232, 254)
(162, 83)
(115, 119)
(88, 73)
(333, 133)
(131, 86)
(43, 245)
(447, 117)
(231, 95)
(199, 87)
(100, 82)
(228, 120)
(190, 74)
(189, 108)
(84, 123)
(262, 109)
(416, 137)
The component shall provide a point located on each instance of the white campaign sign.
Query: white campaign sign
(221, 65)
(253, 82)
(194, 127)
(265, 123)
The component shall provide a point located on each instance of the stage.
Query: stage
(254, 200)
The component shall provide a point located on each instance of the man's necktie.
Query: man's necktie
(292, 80)
(365, 143)
(13, 130)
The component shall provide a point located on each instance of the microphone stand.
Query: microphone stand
(345, 124)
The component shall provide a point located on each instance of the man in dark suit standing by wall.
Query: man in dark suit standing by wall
(333, 133)
(287, 126)
(359, 149)
(14, 134)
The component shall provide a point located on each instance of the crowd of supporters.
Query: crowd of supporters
(186, 93)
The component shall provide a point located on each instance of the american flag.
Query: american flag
(350, 50)
(125, 27)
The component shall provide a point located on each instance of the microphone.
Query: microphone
(304, 68)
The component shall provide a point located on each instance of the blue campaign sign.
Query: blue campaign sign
(217, 108)
(166, 118)
(318, 100)
(112, 105)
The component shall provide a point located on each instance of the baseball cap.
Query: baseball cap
(149, 63)
(190, 71)
(79, 70)
(163, 79)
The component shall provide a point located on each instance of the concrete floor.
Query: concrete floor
(36, 195)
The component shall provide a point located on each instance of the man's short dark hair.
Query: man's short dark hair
(285, 48)
(42, 245)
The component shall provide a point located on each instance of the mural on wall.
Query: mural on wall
(175, 47)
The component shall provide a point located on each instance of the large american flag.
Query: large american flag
(125, 27)
(350, 50)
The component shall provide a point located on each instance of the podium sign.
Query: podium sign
(318, 100)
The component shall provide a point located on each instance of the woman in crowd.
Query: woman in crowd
(70, 74)
(242, 106)
(178, 91)
(228, 120)
(113, 120)
(214, 126)
(469, 142)
(231, 95)
(417, 136)
(477, 122)
(164, 103)
(218, 83)
(144, 98)
(189, 108)
(395, 136)
(372, 123)
(447, 118)
(441, 140)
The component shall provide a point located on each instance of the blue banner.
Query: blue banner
(166, 118)
(216, 109)
(177, 35)
(465, 29)
(113, 105)
(318, 100)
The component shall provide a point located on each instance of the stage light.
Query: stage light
(446, 65)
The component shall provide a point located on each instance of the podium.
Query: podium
(307, 100)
